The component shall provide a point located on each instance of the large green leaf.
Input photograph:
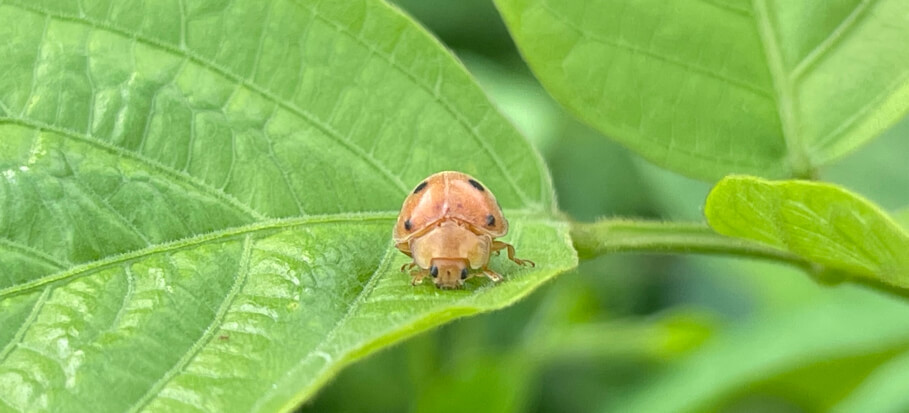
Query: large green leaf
(820, 222)
(708, 88)
(196, 198)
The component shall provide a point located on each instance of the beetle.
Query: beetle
(448, 225)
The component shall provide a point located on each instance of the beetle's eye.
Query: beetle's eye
(490, 220)
(464, 273)
(407, 224)
(434, 271)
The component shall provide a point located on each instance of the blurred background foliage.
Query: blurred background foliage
(643, 332)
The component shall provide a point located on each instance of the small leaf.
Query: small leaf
(820, 222)
(708, 88)
(196, 198)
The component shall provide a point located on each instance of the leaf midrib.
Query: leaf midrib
(802, 159)
(797, 158)
(189, 242)
(265, 226)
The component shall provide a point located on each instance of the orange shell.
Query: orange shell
(450, 195)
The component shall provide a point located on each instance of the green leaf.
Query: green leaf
(665, 337)
(621, 235)
(196, 198)
(883, 391)
(844, 323)
(820, 222)
(707, 88)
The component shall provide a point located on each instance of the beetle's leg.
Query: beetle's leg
(499, 245)
(408, 266)
(418, 276)
(494, 276)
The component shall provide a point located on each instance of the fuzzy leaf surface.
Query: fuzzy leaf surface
(820, 222)
(196, 198)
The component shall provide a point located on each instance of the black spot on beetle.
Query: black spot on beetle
(434, 271)
(407, 224)
(420, 186)
(464, 273)
(476, 184)
(490, 220)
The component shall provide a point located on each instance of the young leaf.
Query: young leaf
(820, 222)
(196, 198)
(708, 88)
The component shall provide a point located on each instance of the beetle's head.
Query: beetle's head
(448, 273)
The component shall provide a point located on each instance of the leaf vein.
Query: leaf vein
(319, 351)
(786, 98)
(34, 254)
(284, 175)
(210, 65)
(26, 324)
(837, 35)
(472, 131)
(257, 59)
(848, 122)
(223, 197)
(190, 242)
(239, 282)
(130, 290)
(728, 7)
(93, 197)
(643, 51)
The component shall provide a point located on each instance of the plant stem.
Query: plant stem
(622, 235)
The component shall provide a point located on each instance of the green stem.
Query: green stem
(619, 235)
(622, 235)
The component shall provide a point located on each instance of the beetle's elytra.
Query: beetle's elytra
(448, 224)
